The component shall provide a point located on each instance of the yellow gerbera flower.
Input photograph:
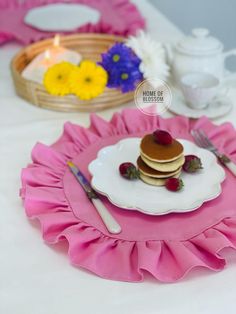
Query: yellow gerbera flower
(88, 80)
(56, 79)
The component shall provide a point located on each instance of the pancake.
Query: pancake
(150, 172)
(155, 181)
(160, 153)
(165, 167)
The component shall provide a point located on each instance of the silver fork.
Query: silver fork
(203, 141)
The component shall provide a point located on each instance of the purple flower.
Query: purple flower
(125, 78)
(122, 66)
(117, 55)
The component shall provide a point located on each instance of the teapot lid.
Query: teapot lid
(200, 43)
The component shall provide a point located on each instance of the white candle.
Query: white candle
(56, 41)
(36, 69)
(47, 60)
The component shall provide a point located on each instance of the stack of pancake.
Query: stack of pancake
(157, 162)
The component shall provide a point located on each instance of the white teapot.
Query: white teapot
(198, 53)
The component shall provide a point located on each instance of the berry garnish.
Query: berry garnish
(129, 171)
(162, 137)
(192, 164)
(174, 184)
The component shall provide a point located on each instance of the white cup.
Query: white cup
(199, 88)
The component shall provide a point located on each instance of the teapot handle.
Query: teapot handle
(229, 54)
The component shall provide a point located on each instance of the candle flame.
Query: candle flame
(56, 41)
(47, 54)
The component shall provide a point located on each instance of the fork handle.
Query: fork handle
(231, 166)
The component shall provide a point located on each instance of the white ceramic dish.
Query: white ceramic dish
(219, 107)
(136, 195)
(78, 15)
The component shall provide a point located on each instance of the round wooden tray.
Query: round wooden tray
(90, 46)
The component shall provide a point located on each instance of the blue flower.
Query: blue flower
(126, 78)
(122, 66)
(118, 54)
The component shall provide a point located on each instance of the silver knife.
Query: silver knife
(108, 220)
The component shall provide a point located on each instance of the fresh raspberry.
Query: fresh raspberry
(162, 137)
(128, 171)
(192, 164)
(174, 184)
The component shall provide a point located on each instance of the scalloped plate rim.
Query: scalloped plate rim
(216, 188)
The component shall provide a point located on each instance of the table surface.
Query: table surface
(37, 278)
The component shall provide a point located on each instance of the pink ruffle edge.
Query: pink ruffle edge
(109, 257)
(119, 17)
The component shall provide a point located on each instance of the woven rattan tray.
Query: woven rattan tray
(90, 46)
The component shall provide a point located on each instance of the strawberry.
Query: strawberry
(162, 137)
(174, 184)
(128, 171)
(192, 163)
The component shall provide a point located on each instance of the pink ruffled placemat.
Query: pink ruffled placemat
(167, 247)
(119, 17)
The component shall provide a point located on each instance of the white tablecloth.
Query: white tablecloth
(38, 279)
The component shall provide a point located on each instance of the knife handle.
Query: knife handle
(231, 166)
(108, 220)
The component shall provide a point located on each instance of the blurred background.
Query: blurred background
(217, 15)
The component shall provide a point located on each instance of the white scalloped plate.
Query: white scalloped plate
(198, 188)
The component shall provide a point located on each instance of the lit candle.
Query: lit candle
(36, 69)
(47, 55)
(56, 41)
(47, 61)
(59, 53)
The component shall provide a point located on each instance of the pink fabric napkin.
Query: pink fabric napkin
(167, 247)
(118, 17)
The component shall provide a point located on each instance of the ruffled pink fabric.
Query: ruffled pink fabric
(167, 247)
(119, 17)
